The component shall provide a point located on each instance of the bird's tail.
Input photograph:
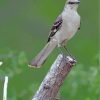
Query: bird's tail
(42, 56)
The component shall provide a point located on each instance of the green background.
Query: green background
(24, 28)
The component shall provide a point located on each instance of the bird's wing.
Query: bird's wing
(56, 26)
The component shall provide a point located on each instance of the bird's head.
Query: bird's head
(73, 4)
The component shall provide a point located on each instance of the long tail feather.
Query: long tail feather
(42, 56)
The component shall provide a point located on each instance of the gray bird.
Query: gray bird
(63, 29)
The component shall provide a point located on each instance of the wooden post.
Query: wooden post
(54, 78)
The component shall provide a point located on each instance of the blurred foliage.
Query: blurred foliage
(24, 25)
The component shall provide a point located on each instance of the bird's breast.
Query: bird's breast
(70, 25)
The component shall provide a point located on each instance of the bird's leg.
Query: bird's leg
(60, 49)
(62, 53)
(68, 52)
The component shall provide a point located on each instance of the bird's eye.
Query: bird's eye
(73, 2)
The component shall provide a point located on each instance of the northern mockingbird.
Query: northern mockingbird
(63, 29)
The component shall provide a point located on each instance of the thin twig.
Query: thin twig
(5, 88)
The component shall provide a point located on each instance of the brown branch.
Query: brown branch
(54, 78)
